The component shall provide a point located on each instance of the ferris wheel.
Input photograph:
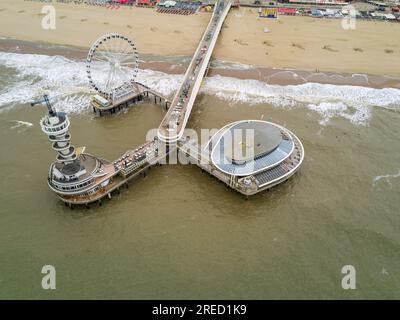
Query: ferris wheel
(112, 64)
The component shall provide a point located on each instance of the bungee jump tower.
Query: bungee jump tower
(72, 175)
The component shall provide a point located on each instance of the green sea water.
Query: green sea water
(181, 234)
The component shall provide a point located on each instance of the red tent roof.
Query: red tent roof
(287, 10)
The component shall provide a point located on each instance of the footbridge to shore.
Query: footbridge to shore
(174, 123)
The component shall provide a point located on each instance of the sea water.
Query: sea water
(179, 233)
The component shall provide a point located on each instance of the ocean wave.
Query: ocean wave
(65, 80)
(329, 101)
(21, 125)
(222, 64)
(386, 177)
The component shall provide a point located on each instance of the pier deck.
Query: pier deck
(246, 185)
(172, 126)
(130, 165)
(137, 93)
(170, 133)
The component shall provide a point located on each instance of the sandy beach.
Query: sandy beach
(301, 43)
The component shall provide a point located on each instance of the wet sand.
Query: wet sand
(178, 65)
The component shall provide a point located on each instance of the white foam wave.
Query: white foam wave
(39, 74)
(222, 64)
(386, 177)
(21, 125)
(329, 101)
(66, 80)
(164, 83)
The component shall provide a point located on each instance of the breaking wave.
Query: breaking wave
(66, 81)
(21, 126)
(386, 177)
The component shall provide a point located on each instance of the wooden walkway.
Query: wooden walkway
(172, 126)
(140, 92)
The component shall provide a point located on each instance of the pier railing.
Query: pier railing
(172, 126)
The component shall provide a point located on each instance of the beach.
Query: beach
(300, 43)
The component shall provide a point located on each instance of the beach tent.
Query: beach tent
(269, 13)
(316, 12)
(168, 4)
(288, 11)
(390, 16)
(347, 10)
(124, 1)
(143, 2)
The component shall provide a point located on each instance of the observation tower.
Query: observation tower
(72, 175)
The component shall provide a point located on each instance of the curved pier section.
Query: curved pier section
(249, 155)
(174, 123)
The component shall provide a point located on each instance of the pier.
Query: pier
(127, 98)
(174, 123)
(256, 180)
(132, 164)
(136, 162)
(83, 178)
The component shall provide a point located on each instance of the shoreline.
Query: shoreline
(178, 65)
(291, 43)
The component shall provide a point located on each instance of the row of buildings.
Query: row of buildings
(362, 10)
(383, 5)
